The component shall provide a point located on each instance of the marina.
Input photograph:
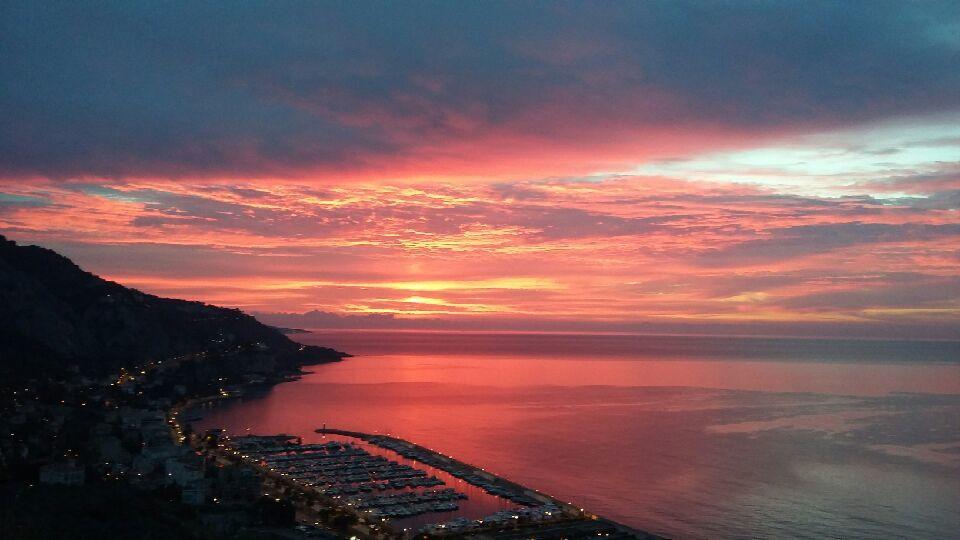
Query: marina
(397, 489)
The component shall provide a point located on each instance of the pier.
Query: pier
(536, 515)
(385, 487)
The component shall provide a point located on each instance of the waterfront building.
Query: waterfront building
(66, 474)
(196, 492)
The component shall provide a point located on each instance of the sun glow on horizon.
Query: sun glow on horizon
(575, 164)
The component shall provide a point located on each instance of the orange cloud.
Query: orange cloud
(621, 250)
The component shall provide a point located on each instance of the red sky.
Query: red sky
(774, 168)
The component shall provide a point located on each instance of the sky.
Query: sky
(752, 167)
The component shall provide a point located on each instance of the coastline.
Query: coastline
(574, 524)
(470, 472)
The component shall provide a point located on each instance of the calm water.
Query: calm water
(691, 437)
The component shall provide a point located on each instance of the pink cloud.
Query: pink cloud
(630, 250)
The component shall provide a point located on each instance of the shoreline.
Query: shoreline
(573, 525)
(469, 472)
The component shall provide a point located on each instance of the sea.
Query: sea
(684, 436)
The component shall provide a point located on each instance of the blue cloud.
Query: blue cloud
(189, 88)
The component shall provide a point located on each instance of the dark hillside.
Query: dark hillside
(54, 314)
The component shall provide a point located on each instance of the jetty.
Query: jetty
(386, 488)
(536, 515)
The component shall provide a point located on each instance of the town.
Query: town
(129, 433)
(82, 440)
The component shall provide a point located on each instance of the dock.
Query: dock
(537, 514)
(386, 488)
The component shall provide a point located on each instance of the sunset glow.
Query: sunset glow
(561, 180)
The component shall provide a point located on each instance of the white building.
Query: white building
(195, 492)
(182, 471)
(66, 474)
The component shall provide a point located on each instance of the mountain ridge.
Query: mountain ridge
(54, 314)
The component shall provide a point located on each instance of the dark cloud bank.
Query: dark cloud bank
(271, 88)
